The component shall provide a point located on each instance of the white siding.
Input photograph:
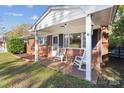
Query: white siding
(59, 16)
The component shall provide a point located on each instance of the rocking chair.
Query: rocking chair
(80, 61)
(61, 54)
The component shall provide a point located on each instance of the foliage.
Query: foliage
(18, 31)
(116, 40)
(116, 37)
(15, 45)
(121, 10)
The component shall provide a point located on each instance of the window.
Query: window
(66, 41)
(75, 40)
(84, 40)
(42, 40)
(45, 40)
(72, 40)
(55, 39)
(61, 40)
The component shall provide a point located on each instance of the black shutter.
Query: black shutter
(61, 40)
(84, 39)
(94, 39)
(48, 40)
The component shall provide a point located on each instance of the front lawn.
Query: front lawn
(112, 74)
(15, 72)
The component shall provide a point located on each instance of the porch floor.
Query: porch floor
(64, 67)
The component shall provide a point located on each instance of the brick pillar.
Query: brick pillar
(105, 57)
(96, 53)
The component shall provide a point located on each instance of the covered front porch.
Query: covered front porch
(74, 31)
(66, 68)
(68, 37)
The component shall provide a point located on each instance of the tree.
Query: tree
(116, 37)
(18, 31)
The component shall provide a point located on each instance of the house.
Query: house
(77, 29)
(29, 43)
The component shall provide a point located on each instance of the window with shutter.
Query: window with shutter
(84, 39)
(61, 40)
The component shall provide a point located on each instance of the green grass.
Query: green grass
(15, 72)
(112, 74)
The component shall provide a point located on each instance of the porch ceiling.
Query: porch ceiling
(103, 17)
(74, 26)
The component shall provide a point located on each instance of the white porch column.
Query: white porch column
(36, 45)
(5, 50)
(88, 47)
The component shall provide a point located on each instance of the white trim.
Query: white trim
(88, 47)
(69, 40)
(43, 40)
(36, 46)
(101, 47)
(53, 8)
(63, 42)
(81, 7)
(82, 40)
(75, 48)
(57, 42)
(41, 18)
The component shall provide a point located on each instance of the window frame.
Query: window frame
(70, 40)
(44, 40)
(84, 42)
(82, 46)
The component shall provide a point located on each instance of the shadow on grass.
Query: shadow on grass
(9, 71)
(24, 75)
(60, 80)
(6, 64)
(112, 74)
(21, 74)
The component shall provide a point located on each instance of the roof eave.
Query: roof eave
(115, 8)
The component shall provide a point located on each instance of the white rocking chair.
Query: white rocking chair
(61, 54)
(79, 61)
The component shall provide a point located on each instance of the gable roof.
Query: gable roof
(50, 8)
(84, 8)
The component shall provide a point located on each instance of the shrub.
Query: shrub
(15, 45)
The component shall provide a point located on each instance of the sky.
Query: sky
(11, 16)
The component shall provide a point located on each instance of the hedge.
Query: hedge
(15, 45)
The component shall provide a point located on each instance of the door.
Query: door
(96, 49)
(55, 46)
(94, 38)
